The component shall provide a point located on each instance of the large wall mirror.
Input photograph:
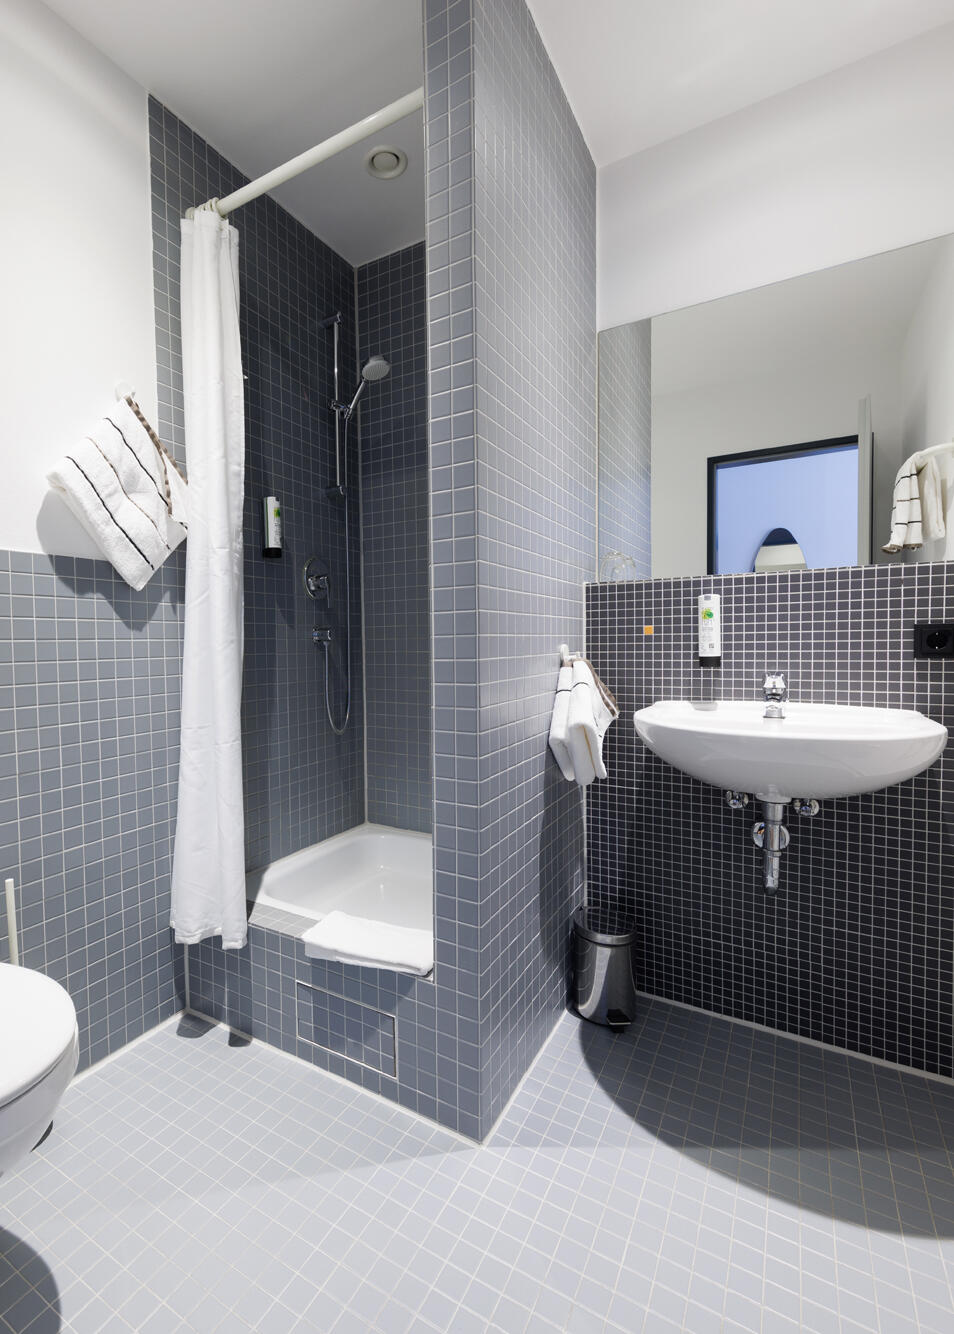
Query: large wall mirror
(764, 430)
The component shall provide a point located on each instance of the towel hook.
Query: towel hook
(124, 390)
(566, 657)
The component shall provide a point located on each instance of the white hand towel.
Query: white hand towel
(559, 723)
(592, 709)
(126, 492)
(358, 940)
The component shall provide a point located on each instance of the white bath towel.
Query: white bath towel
(592, 709)
(126, 492)
(559, 723)
(357, 940)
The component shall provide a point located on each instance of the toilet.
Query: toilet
(39, 1050)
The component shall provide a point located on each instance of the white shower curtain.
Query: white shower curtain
(208, 873)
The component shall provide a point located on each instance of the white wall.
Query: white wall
(848, 165)
(75, 261)
(927, 381)
(927, 375)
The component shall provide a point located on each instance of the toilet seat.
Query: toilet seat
(37, 1029)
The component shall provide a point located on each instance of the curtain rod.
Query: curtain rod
(379, 120)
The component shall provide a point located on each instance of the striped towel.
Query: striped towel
(916, 504)
(126, 491)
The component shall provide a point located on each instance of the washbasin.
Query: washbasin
(816, 750)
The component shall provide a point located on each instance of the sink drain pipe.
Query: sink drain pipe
(769, 833)
(772, 837)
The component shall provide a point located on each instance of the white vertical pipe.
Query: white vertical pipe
(379, 120)
(11, 898)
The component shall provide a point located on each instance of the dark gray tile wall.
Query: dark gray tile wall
(625, 426)
(90, 673)
(857, 948)
(392, 321)
(290, 282)
(260, 991)
(511, 279)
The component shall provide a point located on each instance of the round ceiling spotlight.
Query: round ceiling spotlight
(386, 162)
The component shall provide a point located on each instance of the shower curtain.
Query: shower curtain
(208, 872)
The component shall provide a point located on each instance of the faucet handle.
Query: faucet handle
(774, 687)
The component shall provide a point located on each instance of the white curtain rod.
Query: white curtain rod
(379, 120)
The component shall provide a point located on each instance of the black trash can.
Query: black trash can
(604, 966)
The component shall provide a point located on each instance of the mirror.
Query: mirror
(765, 430)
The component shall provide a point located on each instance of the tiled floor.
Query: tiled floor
(694, 1175)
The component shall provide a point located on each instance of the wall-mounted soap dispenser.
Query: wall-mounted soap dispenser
(710, 630)
(271, 527)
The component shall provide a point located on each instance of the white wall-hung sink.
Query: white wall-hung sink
(814, 751)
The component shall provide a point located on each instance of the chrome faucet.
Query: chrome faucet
(775, 693)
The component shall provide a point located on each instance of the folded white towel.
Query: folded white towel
(559, 723)
(126, 492)
(592, 709)
(358, 940)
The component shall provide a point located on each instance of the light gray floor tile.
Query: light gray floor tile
(690, 1175)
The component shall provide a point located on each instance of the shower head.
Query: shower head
(375, 368)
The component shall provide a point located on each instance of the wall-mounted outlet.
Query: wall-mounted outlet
(934, 641)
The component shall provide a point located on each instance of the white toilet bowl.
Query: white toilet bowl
(39, 1049)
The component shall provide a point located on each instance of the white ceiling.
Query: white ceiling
(638, 72)
(264, 81)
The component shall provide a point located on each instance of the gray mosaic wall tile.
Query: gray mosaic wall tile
(857, 948)
(346, 1027)
(259, 991)
(625, 436)
(392, 321)
(90, 673)
(449, 145)
(534, 283)
(290, 282)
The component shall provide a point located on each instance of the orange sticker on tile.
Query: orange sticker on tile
(647, 630)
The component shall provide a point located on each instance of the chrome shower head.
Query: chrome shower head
(375, 368)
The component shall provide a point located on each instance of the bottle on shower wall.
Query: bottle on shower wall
(272, 527)
(710, 630)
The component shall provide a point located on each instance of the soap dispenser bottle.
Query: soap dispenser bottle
(710, 630)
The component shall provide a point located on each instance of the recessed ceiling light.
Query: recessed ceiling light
(386, 162)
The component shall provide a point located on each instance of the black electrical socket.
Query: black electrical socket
(934, 641)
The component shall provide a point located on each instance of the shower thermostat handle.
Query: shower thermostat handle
(316, 579)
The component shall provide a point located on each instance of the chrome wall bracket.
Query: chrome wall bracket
(736, 800)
